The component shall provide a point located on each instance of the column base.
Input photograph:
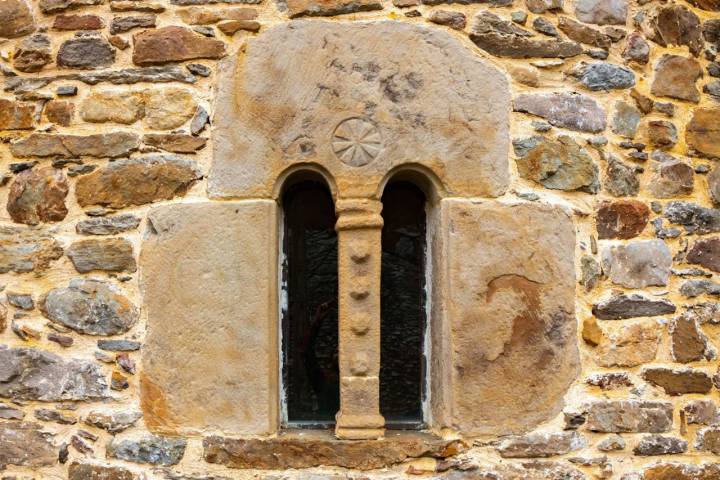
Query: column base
(359, 427)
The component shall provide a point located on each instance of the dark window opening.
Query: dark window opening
(310, 321)
(402, 359)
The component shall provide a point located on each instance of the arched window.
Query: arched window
(403, 317)
(310, 310)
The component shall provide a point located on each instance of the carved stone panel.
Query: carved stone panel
(510, 286)
(360, 99)
(209, 283)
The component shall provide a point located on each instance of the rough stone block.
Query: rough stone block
(208, 278)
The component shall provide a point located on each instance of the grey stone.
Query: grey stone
(55, 416)
(708, 440)
(10, 413)
(109, 255)
(695, 288)
(119, 345)
(110, 225)
(25, 250)
(631, 416)
(448, 18)
(693, 217)
(545, 26)
(713, 89)
(605, 76)
(567, 110)
(542, 6)
(25, 445)
(612, 443)
(199, 69)
(556, 164)
(91, 307)
(112, 422)
(519, 17)
(621, 179)
(636, 49)
(89, 52)
(602, 12)
(30, 374)
(591, 272)
(151, 449)
(505, 39)
(678, 381)
(638, 264)
(625, 120)
(660, 445)
(632, 305)
(534, 445)
(701, 412)
(23, 301)
(124, 24)
(199, 121)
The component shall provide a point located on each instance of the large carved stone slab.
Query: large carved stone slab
(510, 289)
(208, 279)
(360, 99)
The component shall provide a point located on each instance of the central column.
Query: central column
(359, 227)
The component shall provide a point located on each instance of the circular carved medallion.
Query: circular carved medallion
(356, 142)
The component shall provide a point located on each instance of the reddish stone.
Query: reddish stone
(15, 115)
(16, 18)
(175, 142)
(77, 22)
(678, 382)
(662, 133)
(702, 134)
(677, 25)
(38, 195)
(622, 219)
(59, 112)
(675, 77)
(231, 27)
(174, 44)
(706, 252)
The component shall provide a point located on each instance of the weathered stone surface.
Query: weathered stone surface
(173, 44)
(604, 76)
(78, 22)
(184, 298)
(671, 179)
(629, 346)
(206, 16)
(693, 217)
(448, 18)
(591, 272)
(528, 299)
(618, 416)
(112, 422)
(54, 6)
(168, 108)
(16, 115)
(711, 31)
(109, 255)
(612, 443)
(32, 54)
(706, 252)
(124, 24)
(505, 39)
(137, 181)
(711, 5)
(636, 49)
(542, 6)
(23, 301)
(412, 75)
(91, 307)
(677, 471)
(9, 413)
(29, 374)
(621, 179)
(632, 305)
(110, 225)
(558, 164)
(701, 412)
(702, 133)
(676, 25)
(85, 52)
(55, 416)
(687, 340)
(621, 219)
(298, 8)
(675, 77)
(93, 471)
(660, 445)
(708, 439)
(320, 448)
(151, 449)
(583, 33)
(601, 12)
(59, 112)
(26, 250)
(38, 195)
(113, 106)
(115, 144)
(16, 19)
(662, 133)
(625, 119)
(536, 445)
(638, 264)
(175, 142)
(567, 110)
(694, 288)
(25, 444)
(678, 382)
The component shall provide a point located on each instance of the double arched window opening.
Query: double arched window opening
(310, 377)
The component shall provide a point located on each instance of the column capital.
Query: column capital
(358, 213)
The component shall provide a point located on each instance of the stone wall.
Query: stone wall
(145, 141)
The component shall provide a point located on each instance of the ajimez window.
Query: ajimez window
(310, 317)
